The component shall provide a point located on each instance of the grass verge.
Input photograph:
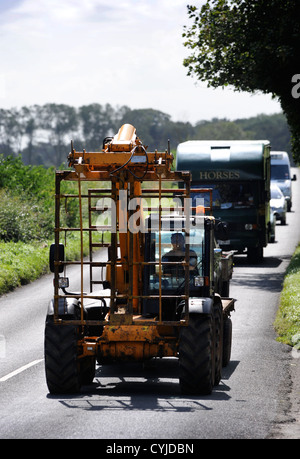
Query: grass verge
(21, 263)
(287, 322)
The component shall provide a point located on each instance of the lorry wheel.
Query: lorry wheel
(197, 355)
(61, 363)
(227, 340)
(255, 254)
(218, 319)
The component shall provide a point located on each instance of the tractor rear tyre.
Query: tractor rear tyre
(197, 355)
(61, 362)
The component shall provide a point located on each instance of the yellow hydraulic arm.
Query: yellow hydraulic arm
(125, 161)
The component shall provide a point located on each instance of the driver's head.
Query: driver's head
(177, 240)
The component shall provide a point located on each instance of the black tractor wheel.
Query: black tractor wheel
(197, 355)
(61, 362)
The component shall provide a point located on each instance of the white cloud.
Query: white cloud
(128, 52)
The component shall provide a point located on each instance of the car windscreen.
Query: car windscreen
(280, 172)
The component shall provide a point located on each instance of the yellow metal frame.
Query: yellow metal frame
(125, 164)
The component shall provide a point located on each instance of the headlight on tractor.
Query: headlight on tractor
(63, 282)
(199, 281)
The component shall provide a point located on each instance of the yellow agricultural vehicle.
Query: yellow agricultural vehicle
(156, 290)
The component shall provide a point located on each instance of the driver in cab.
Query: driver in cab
(177, 254)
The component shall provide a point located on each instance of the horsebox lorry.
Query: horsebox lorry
(238, 172)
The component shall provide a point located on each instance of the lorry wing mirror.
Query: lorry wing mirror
(221, 230)
(61, 257)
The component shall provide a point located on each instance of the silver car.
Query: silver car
(278, 203)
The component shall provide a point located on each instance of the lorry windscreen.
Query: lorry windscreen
(228, 195)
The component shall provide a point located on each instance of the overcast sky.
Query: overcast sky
(121, 52)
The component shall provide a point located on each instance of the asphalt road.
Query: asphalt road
(130, 401)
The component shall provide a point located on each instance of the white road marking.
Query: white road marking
(19, 370)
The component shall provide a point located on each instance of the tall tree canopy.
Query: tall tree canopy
(251, 45)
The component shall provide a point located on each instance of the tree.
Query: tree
(271, 127)
(251, 45)
(149, 124)
(29, 123)
(60, 121)
(220, 130)
(96, 124)
(10, 131)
